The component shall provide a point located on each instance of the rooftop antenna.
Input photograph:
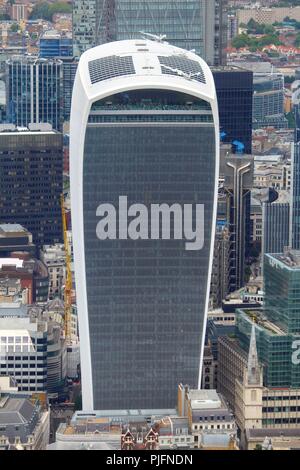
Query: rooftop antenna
(188, 76)
(157, 38)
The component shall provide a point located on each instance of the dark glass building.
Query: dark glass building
(235, 99)
(151, 135)
(31, 169)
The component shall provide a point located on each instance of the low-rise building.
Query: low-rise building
(210, 421)
(54, 258)
(23, 424)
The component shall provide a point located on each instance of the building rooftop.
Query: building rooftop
(32, 129)
(290, 259)
(142, 61)
(16, 411)
(204, 399)
(11, 228)
(259, 317)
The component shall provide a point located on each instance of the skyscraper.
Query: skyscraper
(144, 127)
(237, 171)
(190, 24)
(268, 101)
(31, 181)
(276, 225)
(234, 87)
(295, 204)
(34, 91)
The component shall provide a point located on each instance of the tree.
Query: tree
(14, 28)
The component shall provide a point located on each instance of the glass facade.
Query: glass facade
(146, 298)
(268, 101)
(296, 194)
(274, 349)
(282, 293)
(235, 96)
(31, 182)
(34, 91)
(276, 224)
(56, 47)
(189, 24)
(182, 21)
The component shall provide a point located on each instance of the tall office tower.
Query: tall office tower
(93, 24)
(275, 227)
(70, 65)
(34, 91)
(31, 182)
(190, 24)
(268, 101)
(237, 171)
(235, 97)
(295, 204)
(144, 133)
(282, 301)
(221, 28)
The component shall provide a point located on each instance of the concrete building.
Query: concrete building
(31, 180)
(272, 439)
(32, 352)
(53, 256)
(268, 15)
(31, 274)
(14, 237)
(209, 420)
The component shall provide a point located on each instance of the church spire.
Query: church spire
(253, 370)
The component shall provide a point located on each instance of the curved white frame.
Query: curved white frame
(84, 95)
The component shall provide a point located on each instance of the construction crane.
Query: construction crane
(68, 282)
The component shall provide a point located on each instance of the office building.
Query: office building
(24, 352)
(70, 65)
(235, 99)
(295, 199)
(31, 182)
(237, 171)
(263, 409)
(149, 101)
(221, 267)
(53, 45)
(282, 300)
(32, 351)
(34, 91)
(191, 24)
(268, 101)
(275, 227)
